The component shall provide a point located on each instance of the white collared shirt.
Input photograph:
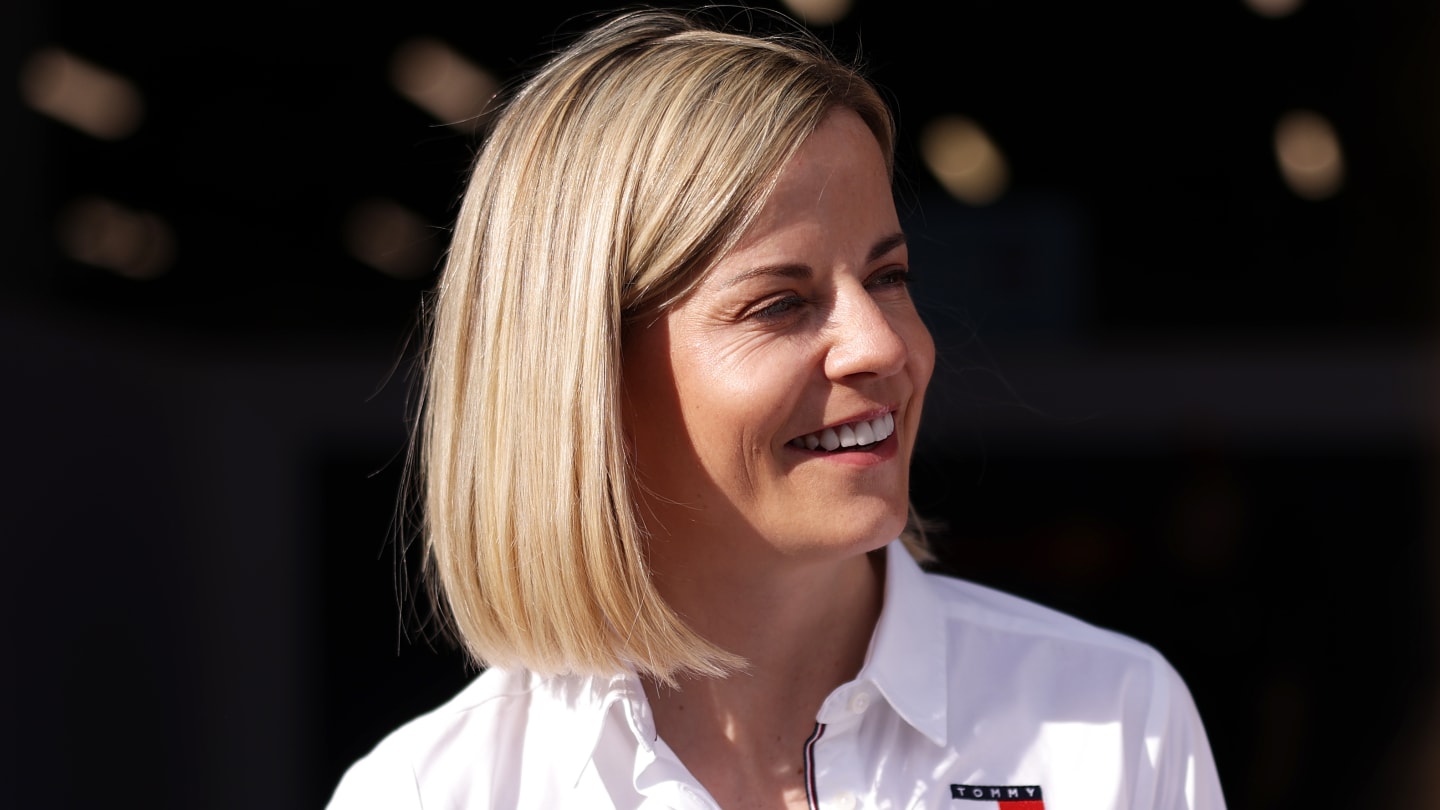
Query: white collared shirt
(969, 699)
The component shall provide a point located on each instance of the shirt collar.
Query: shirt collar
(907, 657)
(906, 662)
(583, 703)
(619, 700)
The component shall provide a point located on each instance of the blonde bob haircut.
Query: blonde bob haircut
(610, 182)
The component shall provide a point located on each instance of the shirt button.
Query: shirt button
(844, 801)
(859, 702)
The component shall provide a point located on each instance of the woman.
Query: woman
(673, 389)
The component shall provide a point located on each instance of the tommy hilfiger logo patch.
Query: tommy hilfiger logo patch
(1005, 797)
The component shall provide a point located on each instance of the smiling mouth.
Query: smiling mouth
(861, 435)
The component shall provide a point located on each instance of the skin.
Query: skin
(768, 549)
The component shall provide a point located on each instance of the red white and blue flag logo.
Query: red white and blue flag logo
(999, 797)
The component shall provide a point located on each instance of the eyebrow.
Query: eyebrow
(886, 245)
(801, 271)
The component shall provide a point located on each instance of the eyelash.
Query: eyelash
(778, 309)
(775, 310)
(894, 276)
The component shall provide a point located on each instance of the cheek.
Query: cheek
(736, 404)
(723, 373)
(920, 347)
(717, 405)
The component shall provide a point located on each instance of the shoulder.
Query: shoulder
(1055, 657)
(445, 750)
(976, 634)
(976, 606)
(1082, 709)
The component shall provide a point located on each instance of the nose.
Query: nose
(863, 339)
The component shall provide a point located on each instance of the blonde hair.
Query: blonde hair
(620, 171)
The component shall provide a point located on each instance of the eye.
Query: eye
(778, 308)
(891, 277)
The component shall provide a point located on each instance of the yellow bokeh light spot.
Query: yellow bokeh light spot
(106, 234)
(90, 98)
(440, 81)
(964, 159)
(819, 12)
(390, 238)
(1308, 152)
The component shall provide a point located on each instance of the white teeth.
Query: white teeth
(864, 434)
(855, 434)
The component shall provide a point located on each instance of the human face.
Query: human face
(803, 334)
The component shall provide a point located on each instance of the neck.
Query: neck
(774, 607)
(804, 628)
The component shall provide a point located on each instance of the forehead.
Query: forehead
(835, 188)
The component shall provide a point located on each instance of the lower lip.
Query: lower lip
(882, 451)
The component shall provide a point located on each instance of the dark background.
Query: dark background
(1174, 398)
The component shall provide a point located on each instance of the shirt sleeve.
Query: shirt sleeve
(377, 782)
(1184, 767)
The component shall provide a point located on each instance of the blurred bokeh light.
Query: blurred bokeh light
(391, 238)
(819, 12)
(100, 232)
(1309, 154)
(1274, 9)
(441, 81)
(68, 88)
(964, 159)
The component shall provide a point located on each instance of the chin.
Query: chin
(846, 537)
